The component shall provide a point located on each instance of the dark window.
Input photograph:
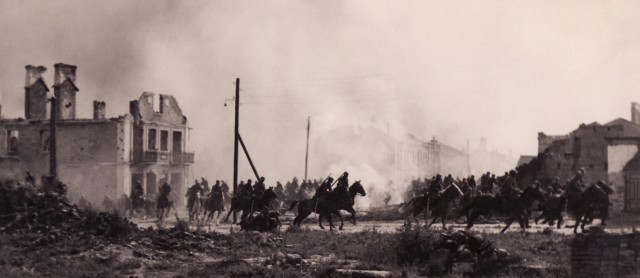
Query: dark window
(13, 141)
(606, 165)
(152, 139)
(590, 166)
(558, 165)
(164, 140)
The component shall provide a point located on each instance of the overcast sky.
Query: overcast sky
(457, 70)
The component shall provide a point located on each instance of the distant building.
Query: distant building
(392, 163)
(100, 156)
(605, 151)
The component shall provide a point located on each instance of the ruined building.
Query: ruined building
(99, 156)
(607, 152)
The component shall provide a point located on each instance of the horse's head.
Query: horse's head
(595, 192)
(357, 188)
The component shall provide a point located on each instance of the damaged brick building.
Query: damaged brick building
(99, 156)
(607, 152)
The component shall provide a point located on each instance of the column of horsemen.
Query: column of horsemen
(502, 192)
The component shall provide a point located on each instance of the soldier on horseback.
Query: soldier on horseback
(259, 188)
(575, 188)
(192, 194)
(163, 200)
(343, 181)
(246, 191)
(555, 187)
(205, 185)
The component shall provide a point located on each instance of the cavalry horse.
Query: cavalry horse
(517, 209)
(338, 201)
(214, 203)
(250, 205)
(593, 199)
(438, 205)
(163, 206)
(194, 205)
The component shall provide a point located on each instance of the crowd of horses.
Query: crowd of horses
(453, 203)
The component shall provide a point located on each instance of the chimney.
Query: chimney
(65, 91)
(99, 108)
(64, 72)
(35, 93)
(635, 113)
(33, 74)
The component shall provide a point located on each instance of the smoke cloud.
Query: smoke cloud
(502, 70)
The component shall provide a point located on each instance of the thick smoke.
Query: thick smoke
(454, 70)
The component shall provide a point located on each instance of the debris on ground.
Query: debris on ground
(463, 252)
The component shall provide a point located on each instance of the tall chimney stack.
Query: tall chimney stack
(99, 108)
(635, 113)
(35, 93)
(65, 91)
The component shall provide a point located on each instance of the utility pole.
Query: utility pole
(306, 158)
(53, 169)
(468, 159)
(235, 139)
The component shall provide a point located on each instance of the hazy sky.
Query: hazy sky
(503, 70)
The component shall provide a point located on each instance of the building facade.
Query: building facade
(605, 151)
(100, 156)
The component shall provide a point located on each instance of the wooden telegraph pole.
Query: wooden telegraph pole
(306, 158)
(53, 169)
(235, 139)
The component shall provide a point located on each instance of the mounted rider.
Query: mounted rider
(205, 185)
(246, 191)
(555, 187)
(258, 189)
(192, 194)
(509, 188)
(323, 190)
(575, 188)
(163, 198)
(342, 185)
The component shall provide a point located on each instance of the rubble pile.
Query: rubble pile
(463, 252)
(27, 209)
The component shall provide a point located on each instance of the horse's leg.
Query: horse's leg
(473, 217)
(331, 227)
(509, 221)
(443, 224)
(341, 220)
(320, 216)
(435, 217)
(575, 228)
(353, 215)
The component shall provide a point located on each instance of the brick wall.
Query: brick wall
(598, 254)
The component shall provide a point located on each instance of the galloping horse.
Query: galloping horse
(485, 204)
(340, 203)
(250, 205)
(194, 205)
(164, 205)
(338, 199)
(593, 198)
(440, 206)
(214, 203)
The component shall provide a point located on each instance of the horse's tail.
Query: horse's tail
(293, 205)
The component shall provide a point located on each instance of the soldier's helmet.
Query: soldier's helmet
(346, 174)
(330, 179)
(513, 173)
(262, 179)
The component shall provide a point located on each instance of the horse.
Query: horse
(485, 204)
(214, 203)
(591, 199)
(345, 204)
(338, 199)
(250, 205)
(163, 206)
(552, 210)
(440, 206)
(194, 205)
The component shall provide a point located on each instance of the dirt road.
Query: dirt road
(382, 226)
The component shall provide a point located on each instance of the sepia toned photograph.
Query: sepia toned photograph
(355, 138)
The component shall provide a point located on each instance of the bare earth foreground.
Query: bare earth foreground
(104, 247)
